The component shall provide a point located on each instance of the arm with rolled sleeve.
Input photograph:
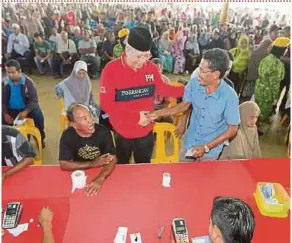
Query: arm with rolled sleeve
(181, 107)
(107, 96)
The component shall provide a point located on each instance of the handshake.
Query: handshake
(147, 117)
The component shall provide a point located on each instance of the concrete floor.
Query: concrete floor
(272, 142)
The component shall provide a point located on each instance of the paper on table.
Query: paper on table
(18, 230)
(121, 235)
(135, 238)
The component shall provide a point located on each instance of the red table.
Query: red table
(133, 196)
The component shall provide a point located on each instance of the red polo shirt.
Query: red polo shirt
(124, 93)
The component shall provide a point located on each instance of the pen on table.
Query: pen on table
(160, 232)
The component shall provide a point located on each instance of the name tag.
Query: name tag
(135, 93)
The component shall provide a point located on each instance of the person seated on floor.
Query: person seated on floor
(245, 145)
(20, 98)
(43, 53)
(66, 53)
(16, 151)
(231, 221)
(77, 88)
(87, 49)
(18, 47)
(86, 145)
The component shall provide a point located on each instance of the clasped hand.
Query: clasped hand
(147, 117)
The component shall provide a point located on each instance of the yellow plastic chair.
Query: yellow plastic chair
(64, 123)
(173, 102)
(160, 129)
(28, 128)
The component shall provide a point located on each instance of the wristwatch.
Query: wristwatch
(206, 149)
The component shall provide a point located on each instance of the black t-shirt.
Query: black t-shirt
(75, 148)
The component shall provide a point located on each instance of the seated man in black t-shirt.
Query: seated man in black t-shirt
(87, 145)
(16, 151)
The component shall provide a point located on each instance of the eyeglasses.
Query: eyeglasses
(143, 57)
(203, 71)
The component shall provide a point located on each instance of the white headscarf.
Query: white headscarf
(79, 89)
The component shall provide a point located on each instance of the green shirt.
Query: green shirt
(43, 48)
(118, 49)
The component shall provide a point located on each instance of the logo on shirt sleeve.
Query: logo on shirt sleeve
(102, 90)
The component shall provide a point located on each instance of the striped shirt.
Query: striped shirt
(15, 147)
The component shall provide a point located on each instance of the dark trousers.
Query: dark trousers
(141, 147)
(57, 62)
(36, 114)
(27, 62)
(93, 61)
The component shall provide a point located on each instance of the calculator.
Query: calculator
(180, 230)
(12, 215)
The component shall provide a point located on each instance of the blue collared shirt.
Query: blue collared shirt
(16, 101)
(211, 115)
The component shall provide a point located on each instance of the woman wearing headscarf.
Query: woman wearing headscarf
(230, 42)
(203, 39)
(177, 52)
(164, 48)
(77, 88)
(271, 73)
(245, 145)
(252, 69)
(241, 58)
(192, 53)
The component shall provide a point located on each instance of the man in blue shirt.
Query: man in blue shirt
(215, 117)
(20, 98)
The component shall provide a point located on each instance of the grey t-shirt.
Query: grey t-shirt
(87, 44)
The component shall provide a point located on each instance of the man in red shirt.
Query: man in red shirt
(128, 87)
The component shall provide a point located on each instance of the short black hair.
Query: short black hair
(218, 60)
(71, 109)
(234, 218)
(37, 35)
(13, 63)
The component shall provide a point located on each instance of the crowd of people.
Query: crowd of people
(238, 71)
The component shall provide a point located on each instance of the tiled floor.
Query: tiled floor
(272, 142)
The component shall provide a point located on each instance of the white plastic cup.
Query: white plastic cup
(166, 179)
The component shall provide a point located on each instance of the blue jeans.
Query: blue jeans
(48, 63)
(36, 114)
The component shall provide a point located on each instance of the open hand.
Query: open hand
(46, 217)
(94, 187)
(180, 130)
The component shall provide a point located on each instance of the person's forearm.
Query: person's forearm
(48, 236)
(107, 55)
(286, 59)
(184, 118)
(107, 170)
(231, 132)
(18, 167)
(182, 107)
(75, 165)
